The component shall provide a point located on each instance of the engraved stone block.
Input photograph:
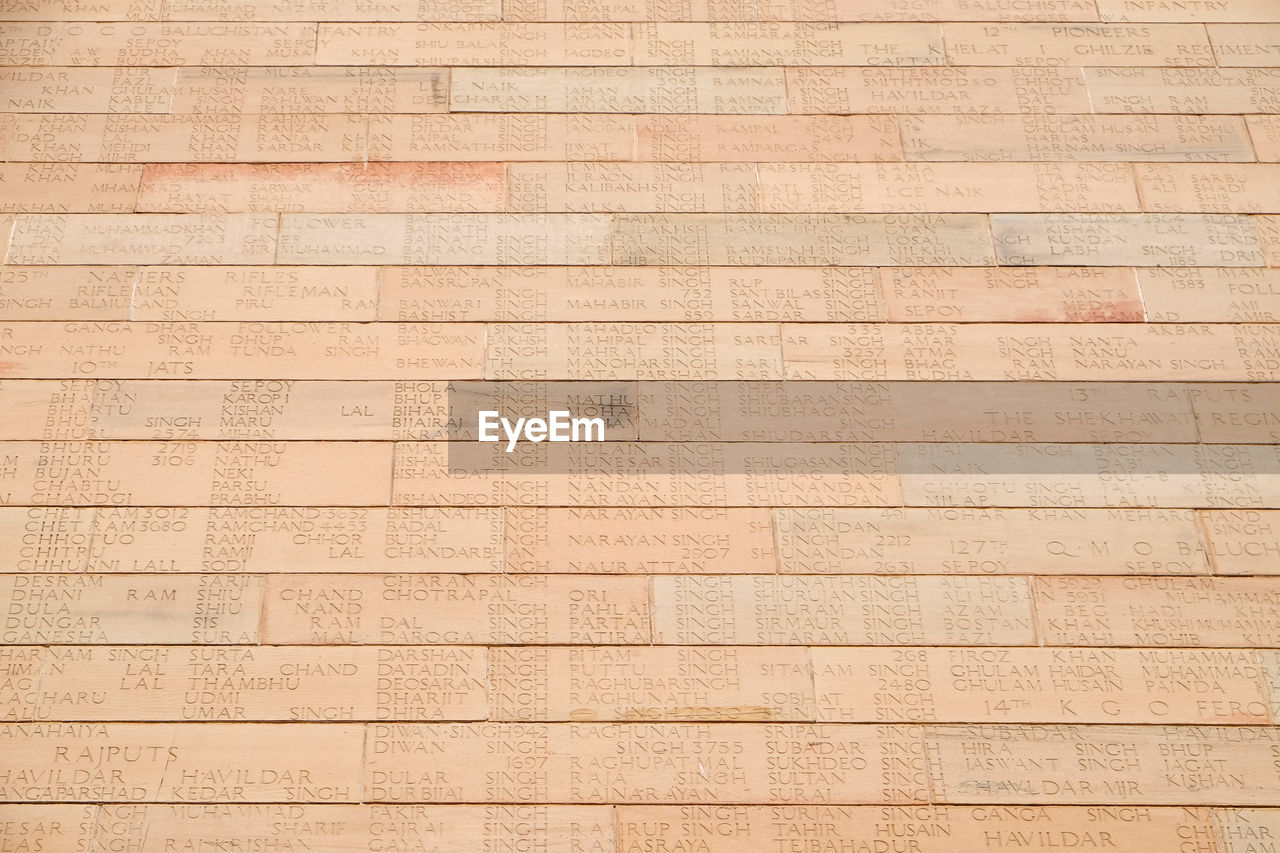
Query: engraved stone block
(937, 90)
(841, 610)
(455, 609)
(78, 91)
(1138, 765)
(210, 763)
(1243, 541)
(989, 541)
(247, 683)
(1025, 44)
(588, 684)
(78, 609)
(310, 90)
(1075, 138)
(642, 763)
(1199, 612)
(619, 90)
(1133, 239)
(690, 540)
(143, 238)
(1071, 685)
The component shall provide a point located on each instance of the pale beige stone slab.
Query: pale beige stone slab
(787, 44)
(7, 227)
(993, 352)
(927, 829)
(1089, 475)
(45, 539)
(641, 187)
(313, 137)
(333, 828)
(126, 138)
(1076, 138)
(445, 238)
(178, 473)
(1216, 295)
(675, 294)
(464, 44)
(1137, 765)
(158, 44)
(634, 351)
(1074, 685)
(946, 187)
(1027, 44)
(258, 139)
(1255, 45)
(213, 762)
(243, 409)
(649, 684)
(302, 89)
(1193, 612)
(1187, 10)
(68, 188)
(87, 90)
(937, 90)
(1239, 188)
(29, 43)
(1238, 830)
(1198, 91)
(7, 124)
(223, 540)
(328, 10)
(66, 293)
(863, 610)
(802, 240)
(355, 188)
(620, 90)
(964, 541)
(801, 474)
(905, 411)
(1271, 678)
(647, 541)
(143, 238)
(795, 10)
(586, 474)
(647, 475)
(1265, 131)
(273, 539)
(438, 609)
(511, 137)
(204, 293)
(616, 763)
(84, 10)
(286, 409)
(50, 411)
(671, 294)
(628, 10)
(347, 239)
(52, 828)
(247, 683)
(928, 10)
(1188, 240)
(1028, 294)
(1269, 237)
(1238, 414)
(1243, 541)
(77, 609)
(768, 139)
(182, 350)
